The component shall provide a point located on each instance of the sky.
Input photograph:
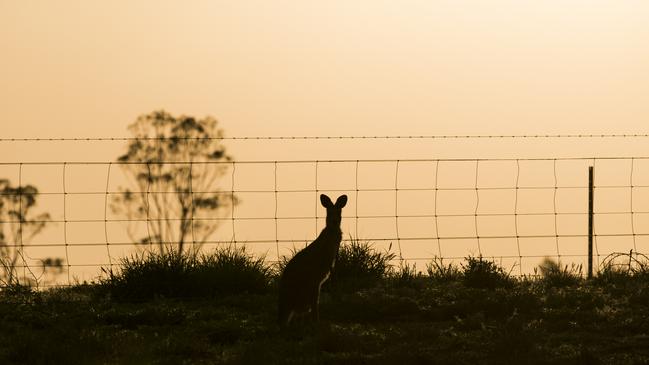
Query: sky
(77, 69)
(89, 68)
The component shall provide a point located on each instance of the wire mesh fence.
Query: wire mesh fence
(516, 211)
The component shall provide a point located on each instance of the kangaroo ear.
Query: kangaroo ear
(342, 201)
(325, 201)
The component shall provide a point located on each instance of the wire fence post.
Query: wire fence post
(590, 221)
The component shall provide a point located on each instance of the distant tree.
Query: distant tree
(18, 226)
(173, 163)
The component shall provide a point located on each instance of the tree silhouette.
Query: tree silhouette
(18, 226)
(173, 163)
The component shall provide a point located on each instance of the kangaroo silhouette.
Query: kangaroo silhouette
(304, 274)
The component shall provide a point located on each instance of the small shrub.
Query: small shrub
(150, 274)
(17, 289)
(227, 270)
(359, 265)
(440, 272)
(231, 270)
(480, 273)
(406, 275)
(553, 274)
(18, 293)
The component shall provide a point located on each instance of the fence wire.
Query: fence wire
(316, 138)
(451, 198)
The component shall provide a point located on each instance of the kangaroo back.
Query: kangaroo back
(304, 274)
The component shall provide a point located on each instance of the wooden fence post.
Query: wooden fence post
(590, 221)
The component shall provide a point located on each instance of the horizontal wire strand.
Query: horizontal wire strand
(216, 219)
(297, 138)
(378, 239)
(349, 161)
(66, 193)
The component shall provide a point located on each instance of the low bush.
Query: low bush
(406, 275)
(227, 270)
(484, 274)
(232, 270)
(359, 265)
(440, 272)
(553, 274)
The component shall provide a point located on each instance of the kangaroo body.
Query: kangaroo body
(304, 274)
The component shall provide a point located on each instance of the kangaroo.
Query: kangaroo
(304, 274)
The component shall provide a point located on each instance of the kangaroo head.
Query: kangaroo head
(333, 210)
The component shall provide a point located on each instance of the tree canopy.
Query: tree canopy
(174, 164)
(18, 225)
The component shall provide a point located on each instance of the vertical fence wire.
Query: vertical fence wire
(477, 206)
(481, 171)
(276, 204)
(633, 234)
(396, 208)
(21, 218)
(356, 202)
(596, 247)
(233, 204)
(65, 224)
(439, 244)
(148, 206)
(554, 207)
(591, 216)
(317, 199)
(110, 260)
(192, 208)
(516, 232)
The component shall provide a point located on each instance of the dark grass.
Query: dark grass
(478, 272)
(474, 313)
(554, 274)
(446, 323)
(359, 265)
(226, 270)
(440, 272)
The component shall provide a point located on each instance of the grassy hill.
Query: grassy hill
(371, 314)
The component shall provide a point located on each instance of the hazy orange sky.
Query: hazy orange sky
(88, 68)
(290, 68)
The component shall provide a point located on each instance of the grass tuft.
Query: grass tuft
(227, 270)
(359, 265)
(484, 274)
(17, 289)
(452, 322)
(407, 276)
(440, 272)
(231, 270)
(553, 274)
